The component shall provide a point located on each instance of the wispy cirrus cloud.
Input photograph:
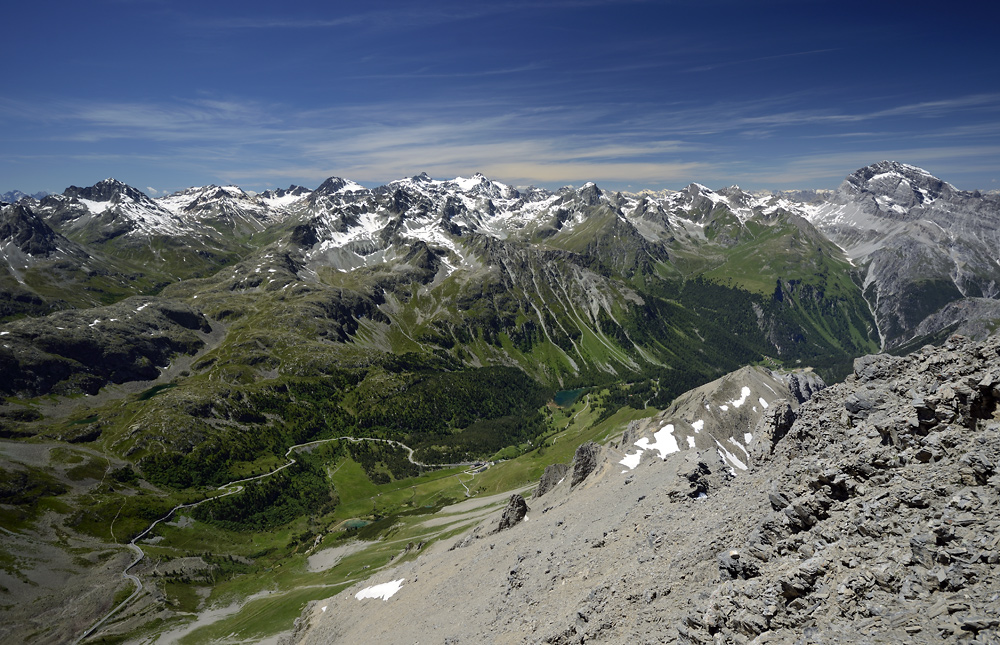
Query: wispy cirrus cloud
(924, 109)
(246, 141)
(429, 74)
(806, 170)
(758, 59)
(414, 16)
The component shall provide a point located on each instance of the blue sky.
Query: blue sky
(767, 94)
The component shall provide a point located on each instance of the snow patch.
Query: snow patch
(698, 425)
(762, 402)
(94, 207)
(744, 393)
(465, 184)
(747, 438)
(740, 446)
(722, 456)
(631, 461)
(690, 441)
(664, 442)
(384, 591)
(730, 457)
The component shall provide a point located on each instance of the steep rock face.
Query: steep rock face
(872, 521)
(25, 230)
(804, 384)
(972, 317)
(890, 187)
(42, 271)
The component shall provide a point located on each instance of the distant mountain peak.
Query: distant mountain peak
(590, 193)
(480, 184)
(897, 187)
(335, 185)
(14, 196)
(293, 189)
(107, 190)
(895, 170)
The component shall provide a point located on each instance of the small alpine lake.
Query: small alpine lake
(564, 398)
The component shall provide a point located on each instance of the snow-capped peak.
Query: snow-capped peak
(338, 186)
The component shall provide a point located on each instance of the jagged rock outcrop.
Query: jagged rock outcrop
(695, 477)
(880, 524)
(554, 473)
(803, 384)
(515, 511)
(584, 462)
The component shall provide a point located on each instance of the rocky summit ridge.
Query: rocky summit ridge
(867, 514)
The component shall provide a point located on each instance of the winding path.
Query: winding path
(233, 488)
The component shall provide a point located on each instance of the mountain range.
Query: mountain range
(153, 350)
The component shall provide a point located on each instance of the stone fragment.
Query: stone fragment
(922, 549)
